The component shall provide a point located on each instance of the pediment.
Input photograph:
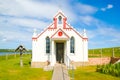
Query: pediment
(60, 34)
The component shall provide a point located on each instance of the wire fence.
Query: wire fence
(10, 55)
(105, 52)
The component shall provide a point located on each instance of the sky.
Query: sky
(100, 18)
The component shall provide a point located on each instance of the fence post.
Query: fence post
(93, 53)
(6, 56)
(101, 55)
(113, 52)
(15, 54)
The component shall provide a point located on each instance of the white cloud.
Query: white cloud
(38, 9)
(30, 23)
(14, 35)
(22, 16)
(101, 33)
(109, 6)
(85, 9)
(88, 20)
(103, 37)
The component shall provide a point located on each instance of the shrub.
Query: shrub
(112, 69)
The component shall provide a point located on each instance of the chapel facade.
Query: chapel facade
(59, 43)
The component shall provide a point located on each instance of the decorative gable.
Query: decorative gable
(60, 25)
(59, 21)
(60, 34)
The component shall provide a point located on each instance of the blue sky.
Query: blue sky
(18, 18)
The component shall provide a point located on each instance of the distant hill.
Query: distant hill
(7, 50)
(105, 52)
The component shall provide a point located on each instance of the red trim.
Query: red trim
(54, 26)
(55, 23)
(60, 13)
(56, 38)
(86, 39)
(61, 31)
(74, 31)
(64, 23)
(51, 27)
(34, 39)
(42, 33)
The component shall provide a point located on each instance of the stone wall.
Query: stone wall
(99, 61)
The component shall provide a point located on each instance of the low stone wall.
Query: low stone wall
(99, 61)
(91, 61)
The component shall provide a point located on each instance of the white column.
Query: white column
(67, 52)
(34, 50)
(53, 58)
(85, 46)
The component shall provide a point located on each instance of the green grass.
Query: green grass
(10, 70)
(89, 73)
(106, 52)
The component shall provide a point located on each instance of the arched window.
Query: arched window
(72, 45)
(47, 45)
(59, 20)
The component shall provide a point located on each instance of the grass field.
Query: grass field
(104, 52)
(10, 70)
(89, 73)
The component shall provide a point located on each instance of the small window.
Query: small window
(72, 45)
(59, 20)
(47, 45)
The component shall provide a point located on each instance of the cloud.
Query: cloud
(105, 36)
(99, 33)
(85, 9)
(15, 35)
(20, 17)
(27, 8)
(109, 6)
(36, 9)
(88, 20)
(30, 23)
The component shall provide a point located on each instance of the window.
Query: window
(59, 20)
(47, 45)
(72, 45)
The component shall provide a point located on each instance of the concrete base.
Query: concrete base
(38, 64)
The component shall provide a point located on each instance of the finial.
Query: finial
(84, 33)
(35, 30)
(84, 30)
(35, 33)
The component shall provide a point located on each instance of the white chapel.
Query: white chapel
(59, 43)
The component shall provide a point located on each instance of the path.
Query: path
(60, 72)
